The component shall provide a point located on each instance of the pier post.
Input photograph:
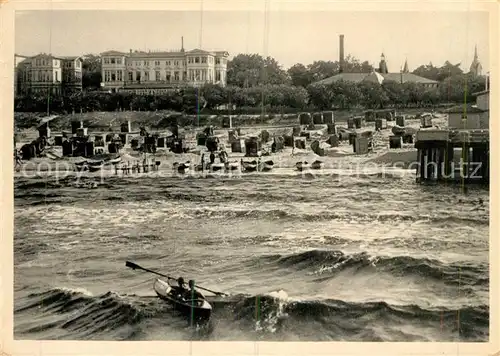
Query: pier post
(465, 161)
(440, 163)
(449, 152)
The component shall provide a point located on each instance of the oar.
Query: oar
(136, 266)
(211, 291)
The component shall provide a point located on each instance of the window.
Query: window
(464, 117)
(157, 63)
(168, 63)
(184, 75)
(217, 76)
(118, 61)
(130, 76)
(190, 60)
(168, 78)
(197, 75)
(106, 60)
(146, 63)
(138, 76)
(119, 75)
(203, 59)
(217, 60)
(38, 62)
(146, 75)
(56, 76)
(78, 64)
(176, 63)
(157, 75)
(106, 76)
(113, 61)
(176, 76)
(197, 60)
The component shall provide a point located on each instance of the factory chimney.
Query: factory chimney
(182, 43)
(341, 53)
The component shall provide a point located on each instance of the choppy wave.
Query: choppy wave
(335, 261)
(274, 316)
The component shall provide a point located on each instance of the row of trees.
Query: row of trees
(266, 97)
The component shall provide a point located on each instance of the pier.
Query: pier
(460, 156)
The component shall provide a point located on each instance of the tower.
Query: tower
(405, 68)
(341, 53)
(382, 67)
(476, 68)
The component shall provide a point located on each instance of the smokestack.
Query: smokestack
(182, 43)
(341, 53)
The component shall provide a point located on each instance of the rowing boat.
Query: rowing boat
(190, 304)
(249, 166)
(266, 166)
(317, 165)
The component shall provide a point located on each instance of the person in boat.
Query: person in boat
(182, 287)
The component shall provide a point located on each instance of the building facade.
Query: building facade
(48, 74)
(156, 72)
(471, 116)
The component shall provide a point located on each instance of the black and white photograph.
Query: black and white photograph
(253, 175)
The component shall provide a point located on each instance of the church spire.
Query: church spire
(405, 68)
(382, 67)
(475, 67)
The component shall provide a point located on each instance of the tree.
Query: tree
(448, 70)
(320, 70)
(91, 71)
(214, 94)
(247, 70)
(320, 96)
(427, 71)
(300, 75)
(353, 65)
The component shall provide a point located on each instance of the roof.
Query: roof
(408, 77)
(113, 53)
(376, 77)
(46, 55)
(460, 109)
(349, 77)
(162, 54)
(71, 58)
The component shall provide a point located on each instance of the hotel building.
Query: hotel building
(45, 73)
(155, 72)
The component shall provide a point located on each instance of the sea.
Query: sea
(338, 256)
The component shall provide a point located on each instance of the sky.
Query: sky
(289, 37)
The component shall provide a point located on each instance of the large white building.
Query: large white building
(45, 73)
(153, 72)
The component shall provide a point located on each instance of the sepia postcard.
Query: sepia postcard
(249, 178)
